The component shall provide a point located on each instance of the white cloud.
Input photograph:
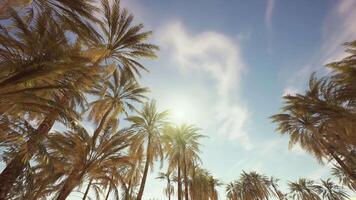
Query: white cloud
(215, 58)
(339, 27)
(268, 23)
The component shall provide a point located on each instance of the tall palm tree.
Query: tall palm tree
(82, 160)
(322, 120)
(304, 189)
(254, 185)
(250, 186)
(315, 122)
(120, 41)
(149, 124)
(116, 96)
(169, 190)
(331, 191)
(182, 149)
(203, 185)
(33, 77)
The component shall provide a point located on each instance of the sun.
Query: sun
(183, 109)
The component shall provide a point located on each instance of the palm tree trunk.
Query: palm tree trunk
(87, 190)
(72, 181)
(145, 171)
(107, 194)
(101, 124)
(169, 187)
(179, 184)
(16, 166)
(185, 179)
(128, 190)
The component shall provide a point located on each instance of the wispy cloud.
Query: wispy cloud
(217, 57)
(269, 13)
(268, 23)
(339, 27)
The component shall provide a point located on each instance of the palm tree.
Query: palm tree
(203, 185)
(125, 44)
(36, 55)
(254, 186)
(331, 191)
(182, 148)
(37, 181)
(68, 10)
(304, 189)
(121, 41)
(116, 97)
(250, 186)
(84, 160)
(169, 190)
(234, 190)
(33, 77)
(312, 130)
(149, 124)
(131, 179)
(110, 180)
(344, 74)
(322, 120)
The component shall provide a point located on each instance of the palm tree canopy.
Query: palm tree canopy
(203, 185)
(304, 189)
(331, 191)
(122, 42)
(149, 124)
(117, 95)
(250, 186)
(182, 141)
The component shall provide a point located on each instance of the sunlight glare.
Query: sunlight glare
(183, 110)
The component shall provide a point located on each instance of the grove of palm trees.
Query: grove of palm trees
(76, 122)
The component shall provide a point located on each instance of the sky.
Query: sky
(224, 66)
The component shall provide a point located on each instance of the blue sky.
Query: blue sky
(224, 65)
